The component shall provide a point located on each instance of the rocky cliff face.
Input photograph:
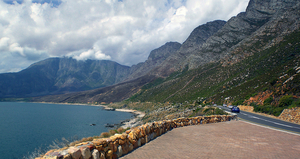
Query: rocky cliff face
(193, 43)
(90, 74)
(156, 57)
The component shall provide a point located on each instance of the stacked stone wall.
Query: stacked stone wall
(291, 115)
(121, 144)
(246, 108)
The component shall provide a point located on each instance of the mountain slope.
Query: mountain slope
(114, 93)
(193, 43)
(156, 57)
(236, 59)
(60, 75)
(239, 60)
(222, 43)
(141, 72)
(216, 82)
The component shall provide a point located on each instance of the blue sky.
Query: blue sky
(54, 2)
(124, 31)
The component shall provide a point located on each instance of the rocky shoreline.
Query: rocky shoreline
(133, 122)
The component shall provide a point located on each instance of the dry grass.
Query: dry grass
(112, 132)
(120, 130)
(104, 135)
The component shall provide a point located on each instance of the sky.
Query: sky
(124, 31)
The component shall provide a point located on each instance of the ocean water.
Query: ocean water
(25, 127)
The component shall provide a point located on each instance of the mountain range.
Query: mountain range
(219, 61)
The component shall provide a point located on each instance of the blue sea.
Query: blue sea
(25, 127)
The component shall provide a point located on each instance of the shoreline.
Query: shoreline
(133, 122)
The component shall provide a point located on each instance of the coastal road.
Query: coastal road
(266, 121)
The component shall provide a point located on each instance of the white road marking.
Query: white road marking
(250, 116)
(271, 128)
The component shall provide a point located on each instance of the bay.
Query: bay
(25, 127)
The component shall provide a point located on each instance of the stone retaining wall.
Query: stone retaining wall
(291, 115)
(246, 108)
(121, 144)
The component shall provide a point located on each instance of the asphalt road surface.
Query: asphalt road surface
(266, 121)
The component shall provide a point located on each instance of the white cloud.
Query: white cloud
(123, 31)
(90, 54)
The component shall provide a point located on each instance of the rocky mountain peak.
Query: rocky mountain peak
(156, 57)
(260, 10)
(164, 51)
(194, 42)
(200, 34)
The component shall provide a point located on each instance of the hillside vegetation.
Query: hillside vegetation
(274, 70)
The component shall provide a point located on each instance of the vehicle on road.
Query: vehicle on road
(224, 105)
(230, 106)
(235, 109)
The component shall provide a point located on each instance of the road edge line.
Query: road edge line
(269, 127)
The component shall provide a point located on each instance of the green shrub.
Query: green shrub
(220, 112)
(285, 101)
(273, 81)
(207, 110)
(267, 109)
(253, 104)
(239, 102)
(296, 103)
(264, 89)
(291, 72)
(268, 101)
(277, 111)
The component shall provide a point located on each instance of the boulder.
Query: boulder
(115, 147)
(123, 136)
(99, 141)
(119, 151)
(121, 142)
(102, 155)
(147, 138)
(85, 152)
(113, 138)
(132, 136)
(95, 154)
(143, 141)
(109, 154)
(130, 147)
(125, 149)
(127, 131)
(74, 152)
(53, 155)
(67, 156)
(139, 143)
(100, 148)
